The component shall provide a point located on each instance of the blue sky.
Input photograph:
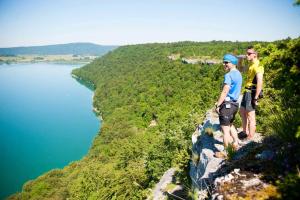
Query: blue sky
(119, 22)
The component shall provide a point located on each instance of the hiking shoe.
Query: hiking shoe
(220, 154)
(242, 135)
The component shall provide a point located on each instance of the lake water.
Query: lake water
(46, 121)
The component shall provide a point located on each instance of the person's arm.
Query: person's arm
(259, 78)
(222, 96)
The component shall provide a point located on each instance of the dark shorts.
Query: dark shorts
(227, 115)
(247, 102)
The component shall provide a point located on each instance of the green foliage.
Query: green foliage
(135, 85)
(209, 131)
(280, 110)
(181, 161)
(230, 150)
(289, 187)
(285, 125)
(195, 158)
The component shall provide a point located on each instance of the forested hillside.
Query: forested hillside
(279, 112)
(137, 86)
(59, 49)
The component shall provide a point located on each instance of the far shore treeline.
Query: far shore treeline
(72, 53)
(150, 106)
(59, 49)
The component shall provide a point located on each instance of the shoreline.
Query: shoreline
(95, 110)
(50, 62)
(59, 58)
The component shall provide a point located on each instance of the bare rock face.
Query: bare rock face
(242, 185)
(158, 192)
(211, 176)
(204, 164)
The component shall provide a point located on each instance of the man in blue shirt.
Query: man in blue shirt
(227, 105)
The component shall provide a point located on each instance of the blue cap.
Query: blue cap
(230, 58)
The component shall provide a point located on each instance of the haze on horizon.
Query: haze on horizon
(116, 22)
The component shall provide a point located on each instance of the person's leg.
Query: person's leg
(252, 123)
(243, 114)
(226, 135)
(226, 139)
(234, 135)
(225, 128)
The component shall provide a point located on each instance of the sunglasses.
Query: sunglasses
(226, 62)
(249, 53)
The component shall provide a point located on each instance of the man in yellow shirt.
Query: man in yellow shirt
(253, 91)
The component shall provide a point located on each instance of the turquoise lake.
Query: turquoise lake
(46, 121)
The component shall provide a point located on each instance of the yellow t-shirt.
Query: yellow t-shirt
(254, 68)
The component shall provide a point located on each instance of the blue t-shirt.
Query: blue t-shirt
(234, 80)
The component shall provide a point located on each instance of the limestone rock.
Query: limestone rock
(211, 172)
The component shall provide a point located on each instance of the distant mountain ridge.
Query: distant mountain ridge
(60, 49)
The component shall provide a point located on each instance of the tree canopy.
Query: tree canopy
(137, 85)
